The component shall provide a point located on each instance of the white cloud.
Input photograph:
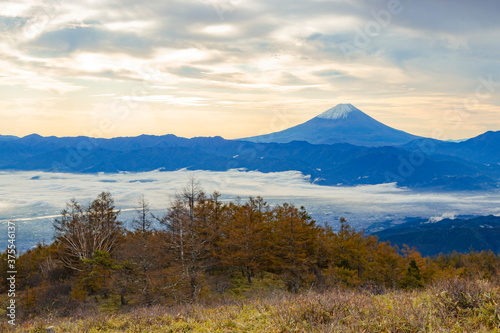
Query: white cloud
(52, 190)
(219, 29)
(33, 80)
(131, 26)
(169, 99)
(222, 50)
(33, 199)
(434, 219)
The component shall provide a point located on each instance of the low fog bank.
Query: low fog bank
(33, 199)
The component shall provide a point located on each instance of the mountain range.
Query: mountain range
(328, 154)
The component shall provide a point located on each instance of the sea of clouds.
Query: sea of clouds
(33, 199)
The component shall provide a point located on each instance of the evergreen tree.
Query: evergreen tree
(412, 279)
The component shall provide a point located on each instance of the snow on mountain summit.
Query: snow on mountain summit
(340, 111)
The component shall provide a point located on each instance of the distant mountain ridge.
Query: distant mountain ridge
(334, 164)
(484, 148)
(8, 137)
(343, 123)
(341, 146)
(448, 235)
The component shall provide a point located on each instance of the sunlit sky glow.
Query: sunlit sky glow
(238, 68)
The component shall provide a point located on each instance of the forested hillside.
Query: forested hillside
(462, 235)
(207, 251)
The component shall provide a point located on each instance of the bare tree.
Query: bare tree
(81, 231)
(144, 217)
(191, 194)
(188, 240)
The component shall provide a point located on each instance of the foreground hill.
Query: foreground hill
(217, 266)
(449, 306)
(336, 164)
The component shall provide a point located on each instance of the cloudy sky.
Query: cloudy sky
(237, 68)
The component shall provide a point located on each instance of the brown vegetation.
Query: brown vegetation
(456, 305)
(208, 252)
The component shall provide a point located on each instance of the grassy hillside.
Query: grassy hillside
(452, 306)
(240, 267)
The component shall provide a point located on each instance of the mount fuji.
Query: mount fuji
(343, 123)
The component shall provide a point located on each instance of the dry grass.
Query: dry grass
(450, 306)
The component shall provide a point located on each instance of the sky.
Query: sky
(238, 68)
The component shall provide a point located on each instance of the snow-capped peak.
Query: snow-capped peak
(340, 111)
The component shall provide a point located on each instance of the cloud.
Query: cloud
(33, 80)
(434, 219)
(169, 99)
(34, 198)
(360, 201)
(375, 54)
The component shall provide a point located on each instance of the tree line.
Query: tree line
(206, 248)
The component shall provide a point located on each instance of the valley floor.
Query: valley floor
(448, 306)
